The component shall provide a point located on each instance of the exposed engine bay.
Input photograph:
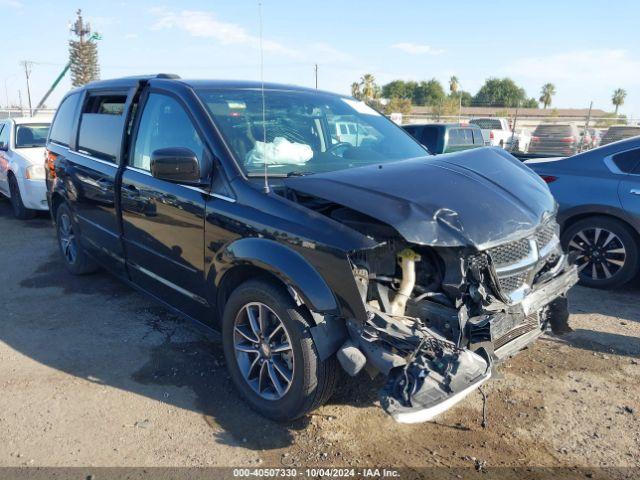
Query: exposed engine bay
(440, 317)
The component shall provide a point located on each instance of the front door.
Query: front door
(163, 222)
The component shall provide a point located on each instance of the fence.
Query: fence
(24, 112)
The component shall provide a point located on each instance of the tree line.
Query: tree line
(495, 92)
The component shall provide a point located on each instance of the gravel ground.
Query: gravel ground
(93, 373)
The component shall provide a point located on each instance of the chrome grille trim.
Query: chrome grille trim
(516, 263)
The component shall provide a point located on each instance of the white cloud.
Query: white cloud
(11, 3)
(325, 53)
(205, 25)
(417, 49)
(598, 66)
(581, 76)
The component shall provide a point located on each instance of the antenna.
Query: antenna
(264, 108)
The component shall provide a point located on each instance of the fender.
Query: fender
(565, 216)
(285, 263)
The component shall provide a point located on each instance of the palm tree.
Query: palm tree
(368, 86)
(355, 90)
(454, 84)
(548, 90)
(618, 98)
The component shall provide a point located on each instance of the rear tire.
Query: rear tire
(312, 381)
(608, 251)
(19, 210)
(75, 258)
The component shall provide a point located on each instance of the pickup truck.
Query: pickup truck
(496, 131)
(230, 203)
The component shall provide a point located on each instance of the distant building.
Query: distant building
(568, 114)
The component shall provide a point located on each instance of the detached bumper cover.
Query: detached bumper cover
(426, 388)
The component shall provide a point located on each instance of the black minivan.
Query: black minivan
(233, 204)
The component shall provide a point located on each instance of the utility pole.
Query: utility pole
(27, 73)
(20, 101)
(513, 127)
(586, 127)
(315, 68)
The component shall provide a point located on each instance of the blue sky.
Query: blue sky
(586, 48)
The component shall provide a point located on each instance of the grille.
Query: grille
(530, 323)
(545, 234)
(511, 252)
(513, 282)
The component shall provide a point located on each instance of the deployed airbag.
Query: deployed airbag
(279, 152)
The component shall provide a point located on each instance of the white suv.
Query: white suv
(22, 174)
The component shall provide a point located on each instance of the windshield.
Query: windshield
(29, 135)
(305, 132)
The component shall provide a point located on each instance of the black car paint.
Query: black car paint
(187, 245)
(495, 198)
(182, 244)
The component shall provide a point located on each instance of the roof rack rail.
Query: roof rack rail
(168, 75)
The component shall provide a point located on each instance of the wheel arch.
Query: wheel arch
(56, 200)
(257, 257)
(570, 220)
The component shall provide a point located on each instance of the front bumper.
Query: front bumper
(505, 334)
(34, 194)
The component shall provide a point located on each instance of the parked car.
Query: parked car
(599, 196)
(555, 140)
(228, 202)
(596, 137)
(22, 142)
(446, 137)
(519, 141)
(619, 132)
(496, 130)
(350, 132)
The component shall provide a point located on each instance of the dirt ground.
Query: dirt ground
(94, 374)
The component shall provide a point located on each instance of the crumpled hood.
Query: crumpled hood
(476, 198)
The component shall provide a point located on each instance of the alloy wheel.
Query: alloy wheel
(263, 351)
(600, 254)
(67, 238)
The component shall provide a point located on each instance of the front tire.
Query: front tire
(75, 258)
(270, 353)
(607, 251)
(19, 210)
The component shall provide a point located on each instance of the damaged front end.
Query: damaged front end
(461, 278)
(439, 318)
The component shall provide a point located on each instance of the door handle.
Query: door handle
(635, 191)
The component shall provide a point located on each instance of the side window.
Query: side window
(477, 137)
(466, 137)
(61, 129)
(430, 138)
(455, 137)
(628, 162)
(101, 125)
(343, 129)
(4, 135)
(164, 124)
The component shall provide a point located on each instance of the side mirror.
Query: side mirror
(176, 165)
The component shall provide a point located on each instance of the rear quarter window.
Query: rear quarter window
(487, 123)
(628, 161)
(101, 125)
(62, 127)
